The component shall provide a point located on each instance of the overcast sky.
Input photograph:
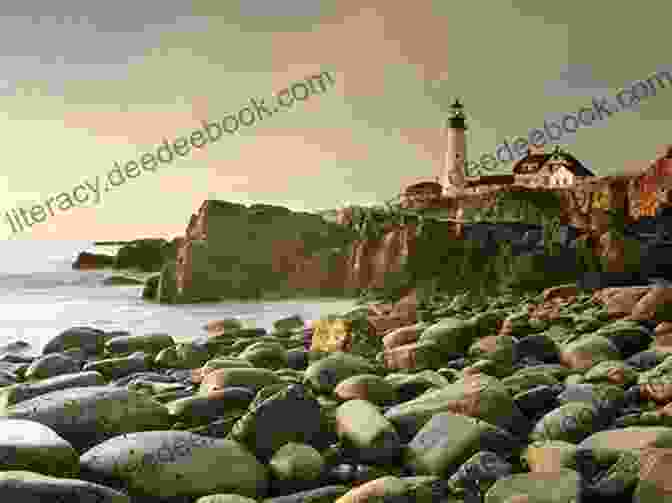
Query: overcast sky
(86, 83)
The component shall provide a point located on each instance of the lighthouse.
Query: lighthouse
(453, 175)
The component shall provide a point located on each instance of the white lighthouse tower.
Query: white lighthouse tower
(453, 176)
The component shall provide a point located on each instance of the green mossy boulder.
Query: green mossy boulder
(571, 422)
(182, 356)
(148, 343)
(269, 355)
(361, 425)
(325, 374)
(491, 402)
(565, 484)
(296, 462)
(170, 463)
(448, 440)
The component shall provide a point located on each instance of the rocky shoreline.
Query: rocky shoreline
(456, 399)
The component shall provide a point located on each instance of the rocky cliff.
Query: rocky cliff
(234, 251)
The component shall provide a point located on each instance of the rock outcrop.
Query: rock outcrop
(87, 260)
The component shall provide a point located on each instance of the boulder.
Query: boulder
(566, 485)
(289, 415)
(91, 340)
(403, 335)
(30, 486)
(414, 356)
(116, 368)
(479, 396)
(370, 387)
(148, 343)
(203, 408)
(182, 356)
(88, 415)
(11, 395)
(588, 351)
(252, 378)
(31, 446)
(325, 374)
(449, 439)
(87, 261)
(296, 462)
(362, 426)
(51, 365)
(169, 463)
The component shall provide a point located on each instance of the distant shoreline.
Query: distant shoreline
(110, 243)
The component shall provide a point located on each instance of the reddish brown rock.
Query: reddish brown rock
(654, 473)
(562, 291)
(620, 301)
(401, 336)
(650, 306)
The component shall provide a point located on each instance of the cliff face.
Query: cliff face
(231, 250)
(234, 251)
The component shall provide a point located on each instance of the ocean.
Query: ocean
(41, 295)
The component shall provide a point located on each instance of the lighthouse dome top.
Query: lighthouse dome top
(457, 118)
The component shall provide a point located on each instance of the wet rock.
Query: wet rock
(645, 360)
(51, 365)
(565, 484)
(655, 305)
(252, 378)
(147, 376)
(452, 334)
(182, 356)
(31, 446)
(391, 488)
(85, 416)
(613, 372)
(480, 471)
(356, 474)
(571, 422)
(537, 401)
(15, 347)
(321, 495)
(148, 343)
(629, 337)
(654, 476)
(370, 387)
(449, 439)
(479, 396)
(549, 456)
(539, 346)
(25, 391)
(31, 486)
(116, 368)
(91, 340)
(290, 415)
(223, 326)
(289, 323)
(362, 426)
(199, 409)
(170, 463)
(297, 359)
(298, 462)
(325, 374)
(403, 335)
(588, 351)
(415, 356)
(225, 498)
(265, 355)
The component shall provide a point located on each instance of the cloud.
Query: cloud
(83, 40)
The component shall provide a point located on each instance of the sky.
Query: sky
(87, 83)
